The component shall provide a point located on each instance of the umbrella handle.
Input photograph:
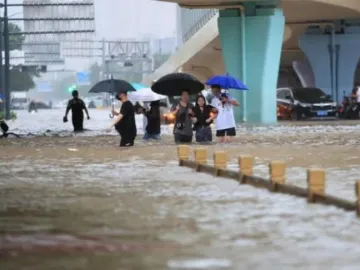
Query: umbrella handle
(112, 105)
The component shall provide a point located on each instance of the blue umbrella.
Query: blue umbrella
(227, 82)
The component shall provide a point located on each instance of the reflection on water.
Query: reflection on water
(81, 203)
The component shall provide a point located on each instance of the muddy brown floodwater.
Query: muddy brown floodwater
(83, 203)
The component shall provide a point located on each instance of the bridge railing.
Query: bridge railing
(193, 20)
(315, 191)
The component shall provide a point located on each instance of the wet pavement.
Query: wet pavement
(80, 202)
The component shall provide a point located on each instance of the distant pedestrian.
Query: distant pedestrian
(77, 106)
(32, 106)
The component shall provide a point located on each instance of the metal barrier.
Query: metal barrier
(193, 20)
(315, 192)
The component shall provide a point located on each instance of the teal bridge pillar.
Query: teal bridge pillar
(263, 37)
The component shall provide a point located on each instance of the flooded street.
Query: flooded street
(80, 202)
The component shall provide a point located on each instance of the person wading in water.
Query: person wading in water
(183, 112)
(124, 121)
(76, 105)
(203, 118)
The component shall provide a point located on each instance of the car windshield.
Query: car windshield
(310, 95)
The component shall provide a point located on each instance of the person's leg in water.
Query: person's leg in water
(220, 134)
(148, 136)
(180, 138)
(230, 134)
(207, 134)
(78, 125)
(156, 137)
(199, 135)
(177, 137)
(127, 140)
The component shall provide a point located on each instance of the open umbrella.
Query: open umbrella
(145, 95)
(227, 82)
(174, 83)
(112, 86)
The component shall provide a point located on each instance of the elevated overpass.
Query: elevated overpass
(325, 32)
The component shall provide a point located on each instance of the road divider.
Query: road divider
(314, 193)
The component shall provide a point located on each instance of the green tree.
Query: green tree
(19, 80)
(16, 40)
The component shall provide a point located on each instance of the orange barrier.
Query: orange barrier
(315, 191)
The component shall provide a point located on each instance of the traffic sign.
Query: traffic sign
(83, 78)
(43, 87)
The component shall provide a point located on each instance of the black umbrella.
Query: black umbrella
(174, 83)
(112, 86)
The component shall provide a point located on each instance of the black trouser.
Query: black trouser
(127, 139)
(180, 138)
(78, 122)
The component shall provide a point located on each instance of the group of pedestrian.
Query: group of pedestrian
(188, 118)
(200, 117)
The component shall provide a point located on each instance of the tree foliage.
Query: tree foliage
(19, 80)
(15, 39)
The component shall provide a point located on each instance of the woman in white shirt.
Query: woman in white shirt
(225, 120)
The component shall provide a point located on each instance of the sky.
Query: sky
(129, 19)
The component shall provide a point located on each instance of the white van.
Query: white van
(19, 100)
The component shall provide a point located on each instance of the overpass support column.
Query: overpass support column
(333, 65)
(264, 31)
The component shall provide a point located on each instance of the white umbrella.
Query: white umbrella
(145, 95)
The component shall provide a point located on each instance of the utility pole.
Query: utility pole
(1, 64)
(103, 58)
(7, 62)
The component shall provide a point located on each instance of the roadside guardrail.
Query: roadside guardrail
(314, 193)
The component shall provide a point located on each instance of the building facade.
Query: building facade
(43, 25)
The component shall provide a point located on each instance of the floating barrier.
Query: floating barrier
(315, 191)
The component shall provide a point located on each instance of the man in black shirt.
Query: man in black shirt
(76, 105)
(124, 121)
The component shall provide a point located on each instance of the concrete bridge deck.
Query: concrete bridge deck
(201, 54)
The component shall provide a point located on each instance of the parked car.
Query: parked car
(304, 103)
